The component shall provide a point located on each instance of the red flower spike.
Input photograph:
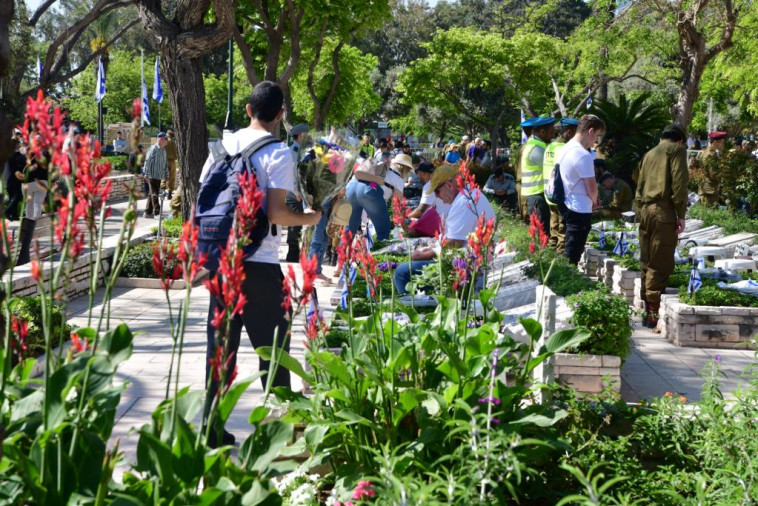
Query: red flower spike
(77, 345)
(36, 271)
(226, 286)
(400, 211)
(250, 200)
(20, 329)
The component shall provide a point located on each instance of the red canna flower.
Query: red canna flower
(315, 326)
(480, 241)
(345, 249)
(467, 183)
(532, 249)
(166, 264)
(227, 284)
(250, 200)
(220, 369)
(400, 211)
(20, 329)
(36, 271)
(308, 266)
(77, 345)
(187, 254)
(368, 266)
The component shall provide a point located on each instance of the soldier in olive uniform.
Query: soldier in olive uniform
(708, 161)
(662, 201)
(621, 198)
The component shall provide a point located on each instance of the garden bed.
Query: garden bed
(707, 326)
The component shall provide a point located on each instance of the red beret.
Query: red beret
(717, 136)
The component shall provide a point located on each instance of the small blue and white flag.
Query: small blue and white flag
(621, 247)
(39, 70)
(344, 294)
(370, 234)
(312, 309)
(145, 105)
(157, 87)
(523, 134)
(100, 86)
(695, 282)
(701, 263)
(601, 240)
(589, 103)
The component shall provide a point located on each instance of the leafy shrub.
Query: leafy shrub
(711, 295)
(335, 338)
(29, 309)
(118, 162)
(630, 262)
(564, 279)
(139, 262)
(172, 227)
(731, 222)
(608, 318)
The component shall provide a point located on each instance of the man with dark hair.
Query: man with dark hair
(662, 202)
(621, 197)
(384, 147)
(557, 232)
(275, 173)
(501, 187)
(578, 175)
(532, 159)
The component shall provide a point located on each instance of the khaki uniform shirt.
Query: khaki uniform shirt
(171, 152)
(621, 197)
(664, 176)
(708, 161)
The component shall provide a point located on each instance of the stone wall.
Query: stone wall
(591, 262)
(79, 279)
(605, 275)
(120, 186)
(623, 282)
(589, 374)
(707, 326)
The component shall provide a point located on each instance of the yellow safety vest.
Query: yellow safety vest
(548, 162)
(532, 182)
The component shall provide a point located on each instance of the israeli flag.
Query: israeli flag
(701, 263)
(145, 106)
(100, 90)
(601, 240)
(589, 103)
(370, 234)
(312, 309)
(621, 246)
(344, 294)
(695, 282)
(157, 87)
(39, 70)
(523, 134)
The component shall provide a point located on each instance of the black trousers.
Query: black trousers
(578, 227)
(262, 316)
(293, 233)
(536, 204)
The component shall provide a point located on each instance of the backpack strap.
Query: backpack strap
(258, 144)
(218, 151)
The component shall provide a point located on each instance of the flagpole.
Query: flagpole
(101, 134)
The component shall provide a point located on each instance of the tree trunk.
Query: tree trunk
(186, 93)
(6, 15)
(692, 74)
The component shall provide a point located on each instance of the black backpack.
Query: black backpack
(217, 202)
(555, 193)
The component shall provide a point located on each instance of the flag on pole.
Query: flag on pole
(695, 281)
(39, 70)
(100, 89)
(621, 246)
(370, 235)
(145, 106)
(601, 240)
(523, 134)
(589, 103)
(157, 87)
(343, 295)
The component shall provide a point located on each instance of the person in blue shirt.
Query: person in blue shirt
(453, 156)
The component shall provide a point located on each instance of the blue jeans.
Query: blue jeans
(404, 273)
(320, 240)
(362, 196)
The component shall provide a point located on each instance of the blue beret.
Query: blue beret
(543, 121)
(299, 129)
(529, 122)
(569, 122)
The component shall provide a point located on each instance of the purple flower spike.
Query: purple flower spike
(717, 358)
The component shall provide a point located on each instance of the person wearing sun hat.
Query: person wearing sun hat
(462, 219)
(709, 162)
(532, 158)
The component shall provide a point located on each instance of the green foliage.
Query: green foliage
(711, 295)
(564, 279)
(29, 309)
(123, 85)
(139, 262)
(354, 96)
(172, 227)
(633, 126)
(513, 230)
(731, 222)
(608, 319)
(630, 262)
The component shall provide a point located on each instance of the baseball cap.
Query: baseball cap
(441, 174)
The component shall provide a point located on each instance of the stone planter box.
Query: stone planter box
(179, 284)
(589, 374)
(623, 282)
(606, 272)
(592, 262)
(707, 326)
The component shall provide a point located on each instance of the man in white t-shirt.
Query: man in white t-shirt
(461, 220)
(578, 175)
(275, 172)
